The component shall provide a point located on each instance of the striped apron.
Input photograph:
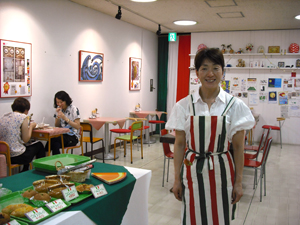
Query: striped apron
(208, 171)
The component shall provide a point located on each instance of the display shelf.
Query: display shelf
(258, 54)
(254, 68)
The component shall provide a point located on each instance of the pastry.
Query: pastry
(61, 178)
(55, 190)
(10, 208)
(20, 212)
(41, 186)
(42, 196)
(4, 218)
(29, 193)
(84, 187)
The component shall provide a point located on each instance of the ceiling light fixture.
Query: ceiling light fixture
(185, 22)
(119, 14)
(297, 17)
(143, 0)
(158, 32)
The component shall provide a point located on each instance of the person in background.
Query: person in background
(67, 116)
(207, 179)
(16, 130)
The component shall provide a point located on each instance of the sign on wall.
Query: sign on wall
(15, 69)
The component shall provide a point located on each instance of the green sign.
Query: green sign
(172, 36)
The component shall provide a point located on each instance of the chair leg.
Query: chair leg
(265, 188)
(142, 154)
(125, 143)
(164, 172)
(168, 170)
(261, 173)
(131, 151)
(114, 150)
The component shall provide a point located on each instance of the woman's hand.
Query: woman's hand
(237, 192)
(177, 190)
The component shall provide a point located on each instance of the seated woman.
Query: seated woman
(67, 116)
(15, 130)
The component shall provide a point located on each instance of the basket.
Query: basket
(75, 176)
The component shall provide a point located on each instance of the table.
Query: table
(97, 123)
(46, 134)
(107, 207)
(146, 114)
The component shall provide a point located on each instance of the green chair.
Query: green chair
(136, 126)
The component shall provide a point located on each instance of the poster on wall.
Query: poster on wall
(15, 69)
(272, 97)
(90, 66)
(135, 68)
(225, 84)
(274, 83)
(251, 82)
(283, 98)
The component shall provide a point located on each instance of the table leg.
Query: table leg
(107, 155)
(148, 141)
(62, 144)
(49, 145)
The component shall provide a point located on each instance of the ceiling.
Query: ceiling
(211, 15)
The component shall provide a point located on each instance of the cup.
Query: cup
(40, 125)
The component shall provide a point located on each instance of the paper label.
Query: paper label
(98, 190)
(13, 222)
(70, 193)
(56, 205)
(36, 214)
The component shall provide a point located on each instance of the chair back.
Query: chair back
(266, 150)
(263, 139)
(166, 146)
(87, 127)
(136, 126)
(5, 150)
(80, 142)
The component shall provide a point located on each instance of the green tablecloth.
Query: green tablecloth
(108, 209)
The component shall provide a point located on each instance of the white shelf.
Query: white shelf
(258, 54)
(254, 68)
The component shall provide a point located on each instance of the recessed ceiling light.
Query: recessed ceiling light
(185, 22)
(143, 0)
(297, 17)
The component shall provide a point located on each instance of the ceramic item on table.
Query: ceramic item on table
(261, 49)
(294, 48)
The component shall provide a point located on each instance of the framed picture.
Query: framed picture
(90, 66)
(274, 49)
(135, 68)
(15, 69)
(280, 64)
(298, 63)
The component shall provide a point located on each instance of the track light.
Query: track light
(119, 14)
(158, 32)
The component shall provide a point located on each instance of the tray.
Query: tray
(47, 164)
(16, 197)
(80, 198)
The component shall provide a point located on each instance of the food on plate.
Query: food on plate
(10, 208)
(84, 187)
(55, 190)
(42, 196)
(29, 193)
(42, 185)
(61, 178)
(20, 212)
(4, 218)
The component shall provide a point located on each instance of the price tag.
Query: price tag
(36, 214)
(70, 193)
(56, 205)
(98, 190)
(13, 222)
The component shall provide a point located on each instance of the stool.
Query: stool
(279, 119)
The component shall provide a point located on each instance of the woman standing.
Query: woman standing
(209, 182)
(66, 115)
(16, 130)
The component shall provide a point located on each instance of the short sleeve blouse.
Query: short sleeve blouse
(239, 116)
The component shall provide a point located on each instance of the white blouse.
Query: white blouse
(238, 117)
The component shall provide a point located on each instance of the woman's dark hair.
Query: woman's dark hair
(212, 54)
(64, 96)
(20, 104)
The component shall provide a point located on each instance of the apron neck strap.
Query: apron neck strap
(192, 107)
(232, 100)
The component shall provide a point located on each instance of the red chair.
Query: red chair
(260, 146)
(159, 122)
(168, 154)
(278, 128)
(255, 147)
(260, 165)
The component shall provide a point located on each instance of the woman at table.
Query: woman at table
(67, 116)
(207, 179)
(15, 130)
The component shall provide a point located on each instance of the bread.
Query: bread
(61, 178)
(55, 190)
(41, 186)
(29, 193)
(20, 212)
(42, 197)
(84, 187)
(10, 208)
(4, 218)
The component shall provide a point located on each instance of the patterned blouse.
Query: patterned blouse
(10, 132)
(71, 113)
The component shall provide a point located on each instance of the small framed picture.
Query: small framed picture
(280, 64)
(298, 63)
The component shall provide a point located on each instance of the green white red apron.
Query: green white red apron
(208, 171)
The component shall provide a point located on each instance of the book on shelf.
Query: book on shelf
(110, 178)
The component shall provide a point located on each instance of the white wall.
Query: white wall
(58, 29)
(239, 39)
